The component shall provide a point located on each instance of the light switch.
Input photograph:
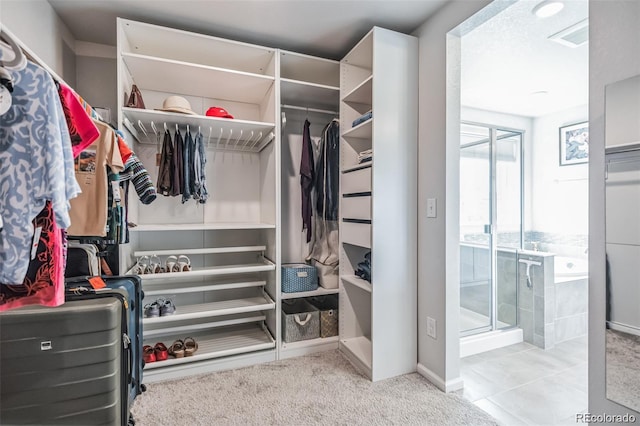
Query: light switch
(431, 207)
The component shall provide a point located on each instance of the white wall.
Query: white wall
(437, 177)
(38, 26)
(97, 82)
(560, 201)
(614, 54)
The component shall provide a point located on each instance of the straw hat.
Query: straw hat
(176, 104)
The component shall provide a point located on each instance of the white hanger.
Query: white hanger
(248, 141)
(187, 128)
(165, 127)
(219, 137)
(229, 138)
(141, 126)
(177, 128)
(20, 60)
(257, 140)
(209, 140)
(238, 140)
(154, 128)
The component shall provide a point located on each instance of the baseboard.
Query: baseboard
(445, 386)
(624, 328)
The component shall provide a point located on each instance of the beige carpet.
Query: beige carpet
(623, 368)
(315, 389)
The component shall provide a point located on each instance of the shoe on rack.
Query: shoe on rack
(190, 346)
(149, 354)
(177, 349)
(166, 307)
(171, 264)
(161, 351)
(152, 310)
(184, 263)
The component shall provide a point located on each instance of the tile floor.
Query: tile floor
(524, 385)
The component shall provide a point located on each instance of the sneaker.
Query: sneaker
(152, 310)
(167, 308)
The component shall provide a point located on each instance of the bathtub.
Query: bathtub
(570, 267)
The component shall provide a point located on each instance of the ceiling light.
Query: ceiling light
(547, 8)
(539, 93)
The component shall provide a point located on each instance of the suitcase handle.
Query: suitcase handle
(302, 322)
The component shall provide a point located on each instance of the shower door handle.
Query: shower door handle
(488, 229)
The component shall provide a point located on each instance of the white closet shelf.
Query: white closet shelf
(313, 95)
(194, 328)
(357, 281)
(357, 167)
(234, 341)
(219, 133)
(361, 131)
(222, 226)
(264, 266)
(153, 40)
(186, 78)
(360, 348)
(171, 288)
(214, 250)
(319, 292)
(215, 309)
(308, 343)
(362, 94)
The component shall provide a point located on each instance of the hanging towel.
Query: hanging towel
(166, 164)
(177, 181)
(307, 175)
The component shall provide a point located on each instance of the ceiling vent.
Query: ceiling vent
(573, 36)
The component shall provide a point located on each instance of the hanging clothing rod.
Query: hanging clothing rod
(299, 108)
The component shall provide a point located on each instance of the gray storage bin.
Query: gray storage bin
(300, 321)
(328, 307)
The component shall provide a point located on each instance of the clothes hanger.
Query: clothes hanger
(256, 141)
(248, 141)
(20, 60)
(144, 130)
(237, 140)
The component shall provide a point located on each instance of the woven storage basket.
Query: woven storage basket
(328, 307)
(298, 277)
(300, 321)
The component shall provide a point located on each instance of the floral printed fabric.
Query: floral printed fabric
(36, 166)
(44, 283)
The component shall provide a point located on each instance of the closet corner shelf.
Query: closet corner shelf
(263, 266)
(215, 309)
(357, 281)
(186, 78)
(357, 167)
(222, 226)
(219, 133)
(361, 131)
(309, 94)
(319, 292)
(234, 341)
(361, 94)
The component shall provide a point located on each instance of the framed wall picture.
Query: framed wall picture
(574, 144)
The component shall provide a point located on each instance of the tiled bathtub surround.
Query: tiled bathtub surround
(549, 312)
(548, 242)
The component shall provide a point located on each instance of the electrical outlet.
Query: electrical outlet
(431, 327)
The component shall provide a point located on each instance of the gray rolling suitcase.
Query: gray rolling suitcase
(65, 365)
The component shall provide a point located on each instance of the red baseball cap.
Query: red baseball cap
(218, 112)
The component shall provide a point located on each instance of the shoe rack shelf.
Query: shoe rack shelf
(170, 288)
(319, 292)
(223, 342)
(211, 250)
(221, 226)
(265, 265)
(215, 309)
(203, 326)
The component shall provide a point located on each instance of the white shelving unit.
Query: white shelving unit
(378, 320)
(309, 90)
(228, 301)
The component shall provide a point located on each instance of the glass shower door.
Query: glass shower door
(475, 230)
